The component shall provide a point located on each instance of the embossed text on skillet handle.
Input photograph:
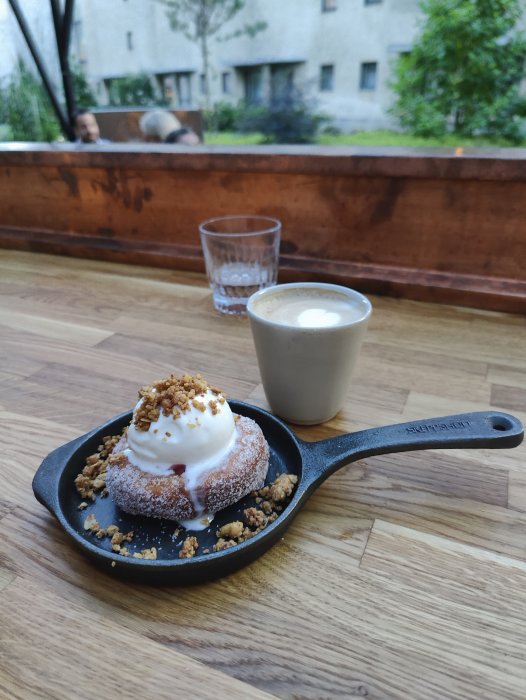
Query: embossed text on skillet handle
(490, 429)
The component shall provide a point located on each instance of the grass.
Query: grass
(231, 138)
(392, 138)
(363, 138)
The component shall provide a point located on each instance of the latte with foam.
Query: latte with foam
(307, 337)
(310, 308)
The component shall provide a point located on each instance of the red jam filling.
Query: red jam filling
(178, 469)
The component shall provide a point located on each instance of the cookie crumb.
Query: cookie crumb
(123, 551)
(189, 548)
(91, 523)
(255, 517)
(282, 487)
(267, 507)
(146, 554)
(231, 531)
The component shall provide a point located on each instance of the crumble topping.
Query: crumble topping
(256, 518)
(189, 547)
(146, 554)
(231, 530)
(271, 499)
(280, 489)
(117, 537)
(92, 479)
(174, 396)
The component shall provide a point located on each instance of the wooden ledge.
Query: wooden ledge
(429, 226)
(438, 163)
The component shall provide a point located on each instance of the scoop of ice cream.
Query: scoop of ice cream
(181, 425)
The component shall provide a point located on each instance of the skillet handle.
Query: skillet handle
(482, 429)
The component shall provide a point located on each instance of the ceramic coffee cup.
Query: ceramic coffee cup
(307, 337)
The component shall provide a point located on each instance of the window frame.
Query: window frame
(365, 66)
(183, 89)
(327, 77)
(329, 5)
(226, 82)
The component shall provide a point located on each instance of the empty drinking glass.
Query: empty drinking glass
(241, 256)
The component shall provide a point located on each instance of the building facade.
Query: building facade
(338, 53)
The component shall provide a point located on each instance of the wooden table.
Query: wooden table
(403, 577)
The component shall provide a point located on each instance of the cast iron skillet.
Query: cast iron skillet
(312, 462)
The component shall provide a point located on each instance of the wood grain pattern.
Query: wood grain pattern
(403, 576)
(426, 226)
(87, 672)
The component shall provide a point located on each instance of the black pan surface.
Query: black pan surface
(312, 462)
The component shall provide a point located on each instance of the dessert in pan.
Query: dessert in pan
(189, 487)
(185, 455)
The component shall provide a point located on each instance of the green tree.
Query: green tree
(26, 109)
(463, 74)
(84, 95)
(200, 20)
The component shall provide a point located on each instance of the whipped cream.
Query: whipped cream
(196, 439)
(182, 426)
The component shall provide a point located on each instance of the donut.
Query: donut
(241, 471)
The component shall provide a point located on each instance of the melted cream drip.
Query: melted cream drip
(201, 522)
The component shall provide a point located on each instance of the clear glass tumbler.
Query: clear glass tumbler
(241, 256)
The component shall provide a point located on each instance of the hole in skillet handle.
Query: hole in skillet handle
(501, 423)
(168, 568)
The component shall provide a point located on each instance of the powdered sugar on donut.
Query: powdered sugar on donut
(175, 497)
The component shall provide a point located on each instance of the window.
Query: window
(281, 81)
(167, 87)
(329, 5)
(129, 41)
(327, 78)
(202, 83)
(368, 76)
(253, 78)
(226, 81)
(183, 88)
